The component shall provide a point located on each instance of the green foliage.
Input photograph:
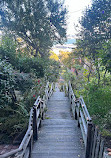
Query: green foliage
(11, 126)
(23, 78)
(31, 65)
(38, 23)
(67, 75)
(105, 52)
(7, 81)
(52, 70)
(20, 61)
(23, 81)
(65, 58)
(97, 99)
(8, 49)
(30, 95)
(96, 36)
(96, 19)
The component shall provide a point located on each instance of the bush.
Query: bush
(97, 99)
(52, 70)
(7, 81)
(20, 86)
(11, 126)
(31, 65)
(38, 89)
(8, 50)
(23, 81)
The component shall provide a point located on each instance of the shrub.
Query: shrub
(24, 81)
(7, 81)
(97, 99)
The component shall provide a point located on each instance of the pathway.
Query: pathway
(59, 136)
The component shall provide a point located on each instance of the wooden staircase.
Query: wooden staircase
(59, 136)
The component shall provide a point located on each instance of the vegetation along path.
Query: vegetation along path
(59, 136)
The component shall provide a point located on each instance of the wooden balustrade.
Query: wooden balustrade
(93, 141)
(51, 90)
(94, 144)
(36, 116)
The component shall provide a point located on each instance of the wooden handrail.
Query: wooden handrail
(94, 144)
(51, 90)
(36, 115)
(83, 105)
(12, 153)
(37, 102)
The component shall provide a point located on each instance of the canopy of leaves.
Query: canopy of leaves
(97, 19)
(96, 33)
(39, 22)
(65, 58)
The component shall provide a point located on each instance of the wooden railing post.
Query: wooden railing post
(30, 146)
(78, 118)
(42, 108)
(75, 114)
(35, 131)
(88, 140)
(68, 90)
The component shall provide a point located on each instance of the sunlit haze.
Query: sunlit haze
(75, 9)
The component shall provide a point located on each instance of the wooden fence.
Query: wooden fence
(36, 115)
(94, 144)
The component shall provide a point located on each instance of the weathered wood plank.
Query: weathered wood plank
(82, 131)
(101, 149)
(94, 143)
(97, 146)
(83, 122)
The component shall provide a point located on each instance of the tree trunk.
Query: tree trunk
(98, 72)
(104, 77)
(89, 74)
(76, 72)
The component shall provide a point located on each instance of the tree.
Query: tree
(53, 56)
(105, 52)
(96, 33)
(8, 48)
(39, 22)
(64, 58)
(96, 20)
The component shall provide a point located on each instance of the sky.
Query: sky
(75, 9)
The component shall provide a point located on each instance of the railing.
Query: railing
(36, 115)
(51, 90)
(94, 144)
